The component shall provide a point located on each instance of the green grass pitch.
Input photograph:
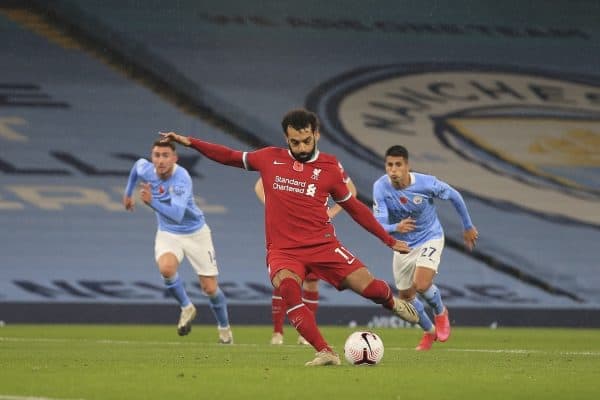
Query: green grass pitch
(152, 362)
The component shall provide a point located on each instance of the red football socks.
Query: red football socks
(311, 300)
(277, 311)
(379, 292)
(299, 315)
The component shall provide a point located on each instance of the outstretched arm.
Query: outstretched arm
(470, 234)
(216, 152)
(336, 208)
(128, 200)
(363, 216)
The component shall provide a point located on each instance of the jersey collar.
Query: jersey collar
(172, 173)
(313, 158)
(410, 175)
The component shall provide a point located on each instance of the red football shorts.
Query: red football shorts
(331, 262)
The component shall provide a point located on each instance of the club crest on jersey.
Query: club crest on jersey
(298, 166)
(177, 190)
(417, 200)
(315, 174)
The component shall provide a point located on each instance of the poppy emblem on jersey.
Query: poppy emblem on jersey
(161, 189)
(315, 174)
(417, 200)
(403, 200)
(298, 166)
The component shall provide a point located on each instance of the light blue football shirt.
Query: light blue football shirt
(172, 199)
(392, 205)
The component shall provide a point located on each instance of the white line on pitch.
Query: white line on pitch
(154, 343)
(512, 351)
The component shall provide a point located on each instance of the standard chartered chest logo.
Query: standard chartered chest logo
(294, 186)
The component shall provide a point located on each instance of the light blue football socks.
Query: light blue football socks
(433, 297)
(218, 305)
(424, 320)
(175, 287)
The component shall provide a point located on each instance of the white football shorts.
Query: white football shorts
(427, 255)
(197, 247)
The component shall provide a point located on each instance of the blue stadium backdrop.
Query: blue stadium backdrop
(502, 102)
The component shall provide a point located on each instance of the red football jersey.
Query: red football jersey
(296, 196)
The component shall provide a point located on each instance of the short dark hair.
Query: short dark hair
(164, 143)
(397, 151)
(300, 118)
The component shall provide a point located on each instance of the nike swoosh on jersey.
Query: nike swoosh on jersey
(278, 163)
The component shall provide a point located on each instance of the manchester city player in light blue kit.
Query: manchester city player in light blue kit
(166, 187)
(404, 206)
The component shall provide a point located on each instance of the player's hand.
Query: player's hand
(470, 237)
(146, 193)
(406, 225)
(401, 247)
(174, 137)
(129, 203)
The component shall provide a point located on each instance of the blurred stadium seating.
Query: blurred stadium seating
(86, 85)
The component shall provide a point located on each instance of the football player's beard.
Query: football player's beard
(303, 157)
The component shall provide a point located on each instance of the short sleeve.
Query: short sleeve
(255, 160)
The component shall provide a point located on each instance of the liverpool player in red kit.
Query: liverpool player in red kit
(299, 235)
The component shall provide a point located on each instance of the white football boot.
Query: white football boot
(185, 320)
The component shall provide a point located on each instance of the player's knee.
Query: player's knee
(407, 295)
(168, 271)
(288, 285)
(358, 280)
(283, 274)
(421, 286)
(291, 292)
(208, 285)
(167, 264)
(311, 285)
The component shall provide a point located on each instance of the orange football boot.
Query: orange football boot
(426, 342)
(442, 325)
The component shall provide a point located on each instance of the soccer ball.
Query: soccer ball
(363, 348)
